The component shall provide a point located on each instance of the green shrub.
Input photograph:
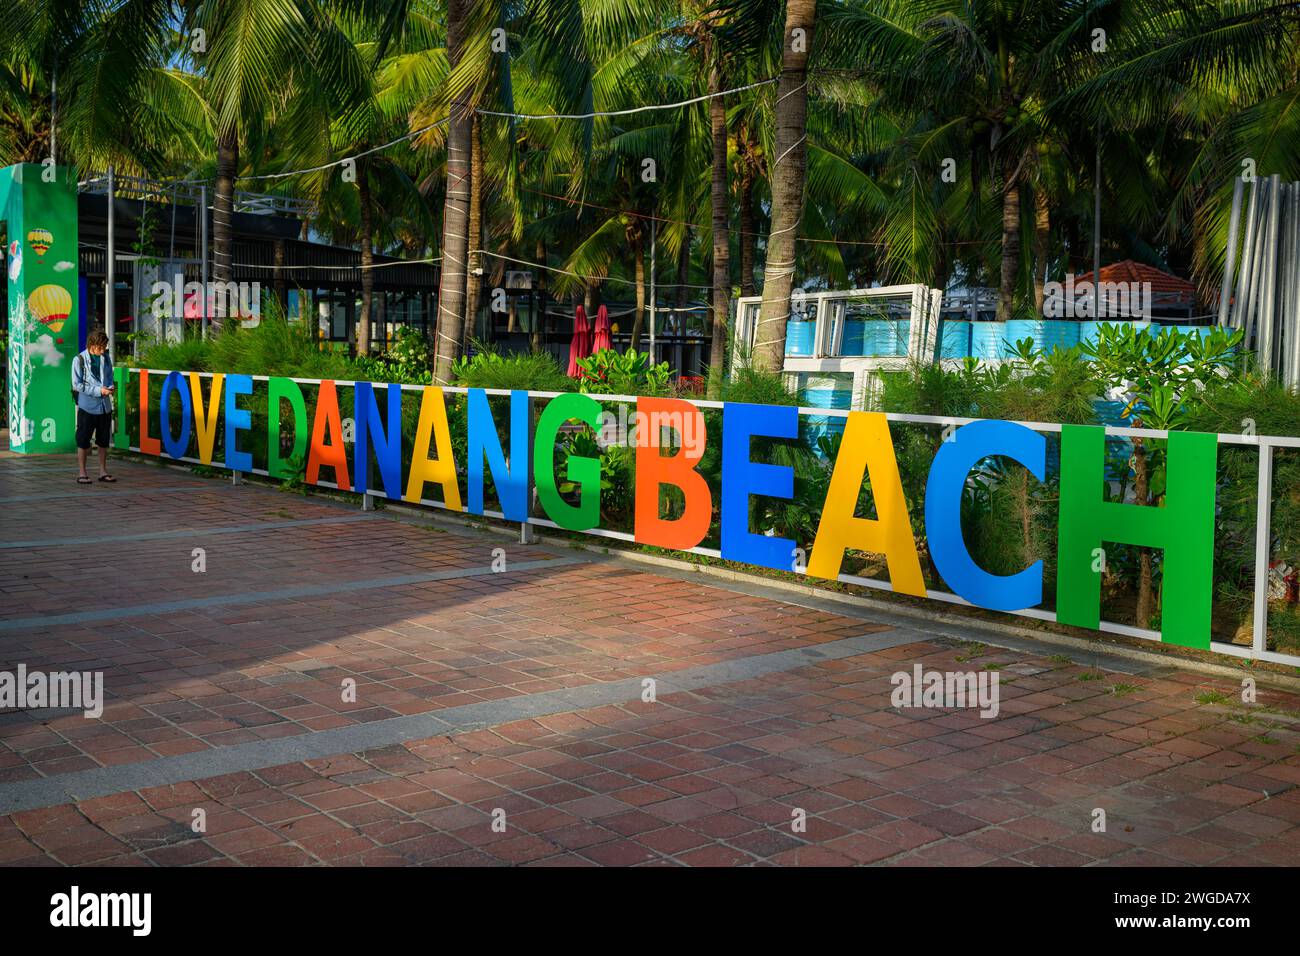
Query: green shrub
(606, 372)
(759, 387)
(531, 371)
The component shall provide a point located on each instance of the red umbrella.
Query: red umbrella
(602, 339)
(580, 347)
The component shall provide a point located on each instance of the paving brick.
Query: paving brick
(708, 777)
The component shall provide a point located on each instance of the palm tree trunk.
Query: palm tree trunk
(721, 199)
(535, 340)
(223, 206)
(639, 321)
(748, 232)
(474, 282)
(788, 171)
(1010, 249)
(367, 258)
(281, 283)
(1042, 234)
(683, 270)
(455, 215)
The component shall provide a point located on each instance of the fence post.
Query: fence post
(527, 534)
(367, 499)
(1263, 542)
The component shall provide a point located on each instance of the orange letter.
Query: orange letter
(654, 470)
(148, 446)
(330, 454)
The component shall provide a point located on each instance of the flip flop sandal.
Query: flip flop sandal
(107, 478)
(83, 480)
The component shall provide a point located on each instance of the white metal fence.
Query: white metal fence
(1267, 446)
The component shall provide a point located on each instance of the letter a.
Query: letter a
(867, 449)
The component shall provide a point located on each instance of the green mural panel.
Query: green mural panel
(44, 318)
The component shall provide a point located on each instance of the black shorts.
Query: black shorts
(88, 423)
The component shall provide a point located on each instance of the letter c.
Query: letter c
(943, 491)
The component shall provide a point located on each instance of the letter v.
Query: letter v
(205, 419)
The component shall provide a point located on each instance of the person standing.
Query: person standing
(92, 383)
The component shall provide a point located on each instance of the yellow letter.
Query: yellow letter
(440, 470)
(205, 422)
(867, 448)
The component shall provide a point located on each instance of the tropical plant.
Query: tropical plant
(631, 373)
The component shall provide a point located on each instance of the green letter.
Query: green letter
(583, 471)
(1183, 528)
(121, 381)
(281, 389)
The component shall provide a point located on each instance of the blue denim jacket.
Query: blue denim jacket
(90, 373)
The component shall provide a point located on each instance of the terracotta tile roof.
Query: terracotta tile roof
(1163, 284)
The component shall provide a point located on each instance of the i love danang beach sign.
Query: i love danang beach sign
(514, 445)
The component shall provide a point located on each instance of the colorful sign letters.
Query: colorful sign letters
(1183, 528)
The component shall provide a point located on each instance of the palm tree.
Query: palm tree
(121, 99)
(721, 208)
(479, 72)
(287, 59)
(788, 168)
(1203, 87)
(373, 118)
(455, 216)
(973, 79)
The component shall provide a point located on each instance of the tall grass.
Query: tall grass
(272, 347)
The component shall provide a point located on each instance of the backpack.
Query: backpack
(75, 393)
(81, 358)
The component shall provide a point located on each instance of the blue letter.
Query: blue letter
(742, 478)
(511, 482)
(388, 447)
(175, 447)
(943, 491)
(237, 420)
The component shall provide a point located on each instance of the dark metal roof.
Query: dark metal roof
(308, 265)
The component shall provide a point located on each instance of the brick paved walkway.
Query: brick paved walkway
(516, 698)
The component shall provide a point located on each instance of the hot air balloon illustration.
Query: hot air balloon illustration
(15, 260)
(40, 240)
(50, 304)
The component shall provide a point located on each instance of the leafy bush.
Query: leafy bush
(408, 359)
(606, 372)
